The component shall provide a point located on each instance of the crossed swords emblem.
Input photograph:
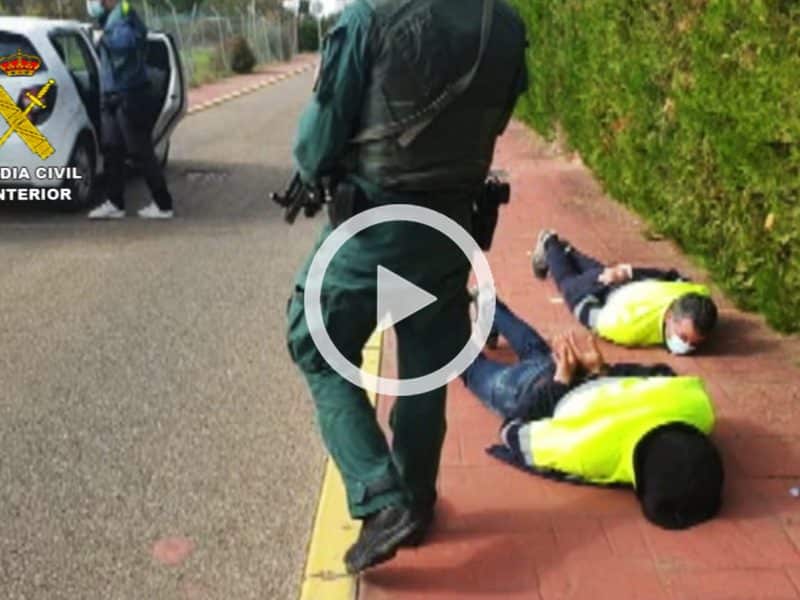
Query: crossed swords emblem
(19, 123)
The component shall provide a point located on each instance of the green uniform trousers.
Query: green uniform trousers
(376, 476)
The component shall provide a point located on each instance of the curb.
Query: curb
(249, 89)
(325, 577)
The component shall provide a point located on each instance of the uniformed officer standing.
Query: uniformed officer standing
(382, 116)
(127, 110)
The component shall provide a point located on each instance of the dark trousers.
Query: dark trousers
(575, 273)
(376, 475)
(500, 386)
(127, 125)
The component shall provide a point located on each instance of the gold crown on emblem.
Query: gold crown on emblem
(20, 65)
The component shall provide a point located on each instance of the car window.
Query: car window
(66, 45)
(72, 49)
(11, 43)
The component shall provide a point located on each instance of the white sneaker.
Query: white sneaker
(107, 210)
(151, 211)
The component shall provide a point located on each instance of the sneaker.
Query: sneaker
(539, 258)
(381, 535)
(151, 211)
(107, 210)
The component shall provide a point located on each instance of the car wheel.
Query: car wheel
(83, 160)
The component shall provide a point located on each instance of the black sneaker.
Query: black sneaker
(381, 535)
(539, 258)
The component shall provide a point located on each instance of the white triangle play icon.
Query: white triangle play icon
(398, 298)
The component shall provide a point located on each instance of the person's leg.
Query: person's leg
(113, 144)
(427, 341)
(346, 419)
(524, 339)
(584, 262)
(135, 123)
(496, 384)
(573, 283)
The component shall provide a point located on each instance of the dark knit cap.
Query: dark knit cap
(679, 476)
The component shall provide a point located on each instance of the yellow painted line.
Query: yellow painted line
(252, 88)
(334, 531)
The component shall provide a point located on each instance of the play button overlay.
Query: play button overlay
(398, 299)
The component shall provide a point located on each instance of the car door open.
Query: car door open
(168, 86)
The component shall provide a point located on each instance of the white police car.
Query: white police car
(61, 151)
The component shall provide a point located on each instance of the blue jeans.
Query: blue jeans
(500, 386)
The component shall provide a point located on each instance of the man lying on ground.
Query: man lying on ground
(571, 416)
(626, 305)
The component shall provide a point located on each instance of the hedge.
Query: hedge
(688, 111)
(308, 34)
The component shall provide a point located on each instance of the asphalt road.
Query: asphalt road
(145, 389)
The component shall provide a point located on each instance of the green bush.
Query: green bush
(307, 37)
(689, 112)
(308, 34)
(241, 56)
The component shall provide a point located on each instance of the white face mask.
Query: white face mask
(677, 346)
(95, 8)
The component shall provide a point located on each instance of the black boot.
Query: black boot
(425, 517)
(381, 535)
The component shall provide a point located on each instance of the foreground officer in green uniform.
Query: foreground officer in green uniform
(382, 119)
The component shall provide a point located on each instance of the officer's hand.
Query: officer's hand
(566, 364)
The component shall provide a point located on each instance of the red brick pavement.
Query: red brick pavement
(210, 93)
(506, 534)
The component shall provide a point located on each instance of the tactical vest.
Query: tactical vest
(417, 49)
(634, 314)
(594, 436)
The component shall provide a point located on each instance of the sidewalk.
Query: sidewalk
(211, 94)
(501, 533)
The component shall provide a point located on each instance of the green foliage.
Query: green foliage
(308, 32)
(689, 112)
(207, 66)
(241, 55)
(307, 35)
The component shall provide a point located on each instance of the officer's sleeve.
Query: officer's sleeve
(125, 36)
(332, 116)
(520, 85)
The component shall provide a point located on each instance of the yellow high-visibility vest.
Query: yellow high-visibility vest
(634, 313)
(596, 427)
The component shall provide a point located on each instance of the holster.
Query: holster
(485, 211)
(343, 203)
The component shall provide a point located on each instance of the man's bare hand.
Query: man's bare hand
(588, 353)
(566, 363)
(616, 274)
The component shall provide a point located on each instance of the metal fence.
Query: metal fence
(204, 37)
